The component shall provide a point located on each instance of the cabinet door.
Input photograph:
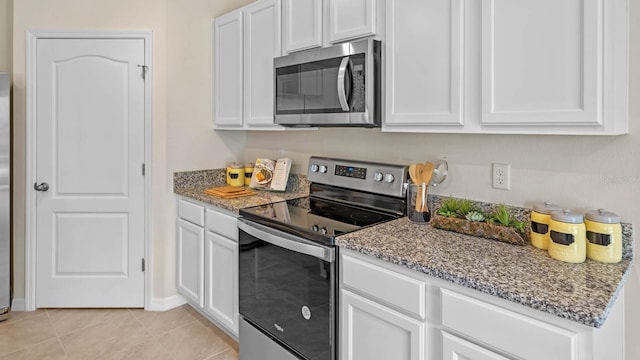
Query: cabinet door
(454, 348)
(542, 62)
(302, 24)
(371, 331)
(424, 62)
(228, 72)
(190, 266)
(221, 257)
(261, 43)
(349, 19)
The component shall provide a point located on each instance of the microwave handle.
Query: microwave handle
(342, 93)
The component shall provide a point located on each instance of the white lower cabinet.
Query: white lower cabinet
(221, 279)
(207, 262)
(390, 312)
(455, 348)
(190, 270)
(374, 332)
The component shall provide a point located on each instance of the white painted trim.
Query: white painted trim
(167, 303)
(29, 301)
(17, 304)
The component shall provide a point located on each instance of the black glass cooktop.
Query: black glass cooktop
(315, 219)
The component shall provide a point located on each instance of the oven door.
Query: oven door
(287, 291)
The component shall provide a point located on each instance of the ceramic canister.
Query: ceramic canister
(248, 172)
(235, 174)
(604, 236)
(540, 217)
(568, 237)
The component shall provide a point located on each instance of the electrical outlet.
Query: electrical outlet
(501, 176)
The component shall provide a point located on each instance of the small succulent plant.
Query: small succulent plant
(458, 208)
(502, 216)
(474, 216)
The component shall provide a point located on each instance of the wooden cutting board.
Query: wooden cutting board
(229, 192)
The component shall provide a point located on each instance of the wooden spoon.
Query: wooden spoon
(427, 173)
(413, 173)
(418, 180)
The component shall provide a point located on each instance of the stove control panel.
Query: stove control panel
(379, 178)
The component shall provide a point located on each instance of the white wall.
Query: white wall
(6, 23)
(579, 172)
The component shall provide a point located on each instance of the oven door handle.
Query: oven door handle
(286, 241)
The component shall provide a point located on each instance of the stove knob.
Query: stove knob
(314, 167)
(389, 178)
(377, 176)
(323, 230)
(315, 228)
(323, 169)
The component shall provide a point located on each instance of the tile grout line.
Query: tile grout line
(66, 354)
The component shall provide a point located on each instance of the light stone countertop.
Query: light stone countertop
(192, 184)
(522, 274)
(525, 275)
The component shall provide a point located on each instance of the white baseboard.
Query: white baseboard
(167, 303)
(18, 305)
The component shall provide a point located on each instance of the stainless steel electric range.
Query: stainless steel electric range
(288, 259)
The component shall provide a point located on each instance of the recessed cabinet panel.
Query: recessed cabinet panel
(302, 24)
(424, 57)
(228, 73)
(221, 271)
(454, 348)
(262, 44)
(350, 19)
(190, 262)
(542, 63)
(373, 332)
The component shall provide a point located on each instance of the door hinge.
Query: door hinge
(145, 68)
(143, 265)
(144, 169)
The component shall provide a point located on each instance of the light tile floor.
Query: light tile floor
(180, 333)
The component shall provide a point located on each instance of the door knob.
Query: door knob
(41, 187)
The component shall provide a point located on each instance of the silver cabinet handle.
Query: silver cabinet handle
(41, 187)
(342, 94)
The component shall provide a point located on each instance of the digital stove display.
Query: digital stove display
(351, 171)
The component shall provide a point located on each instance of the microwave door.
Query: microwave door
(344, 83)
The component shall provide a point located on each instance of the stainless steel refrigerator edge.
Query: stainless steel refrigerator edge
(5, 199)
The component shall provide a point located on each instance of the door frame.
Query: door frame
(30, 199)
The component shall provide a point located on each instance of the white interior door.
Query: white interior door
(90, 151)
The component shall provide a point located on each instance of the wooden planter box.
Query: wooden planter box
(481, 229)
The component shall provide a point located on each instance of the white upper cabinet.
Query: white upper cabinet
(351, 19)
(302, 24)
(316, 23)
(503, 66)
(424, 62)
(261, 44)
(228, 73)
(542, 63)
(245, 43)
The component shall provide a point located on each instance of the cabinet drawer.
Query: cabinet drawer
(394, 289)
(223, 224)
(509, 331)
(191, 212)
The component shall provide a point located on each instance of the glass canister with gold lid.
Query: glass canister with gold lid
(604, 236)
(540, 217)
(568, 237)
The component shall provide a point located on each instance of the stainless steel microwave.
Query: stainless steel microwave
(332, 86)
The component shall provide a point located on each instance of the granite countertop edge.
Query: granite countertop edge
(497, 286)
